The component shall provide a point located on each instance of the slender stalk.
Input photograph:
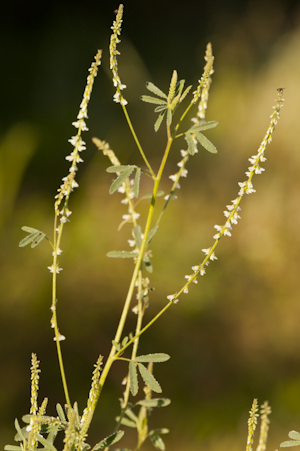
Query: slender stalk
(137, 142)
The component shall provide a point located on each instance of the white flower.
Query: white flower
(52, 268)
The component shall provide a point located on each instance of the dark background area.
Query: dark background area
(236, 335)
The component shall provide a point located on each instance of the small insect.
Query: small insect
(280, 90)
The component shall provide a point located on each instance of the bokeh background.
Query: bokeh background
(236, 335)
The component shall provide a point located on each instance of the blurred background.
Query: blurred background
(236, 335)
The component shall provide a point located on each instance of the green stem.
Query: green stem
(137, 142)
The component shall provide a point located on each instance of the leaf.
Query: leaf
(134, 386)
(160, 108)
(149, 379)
(290, 443)
(45, 442)
(148, 264)
(60, 412)
(124, 341)
(121, 254)
(155, 402)
(155, 358)
(205, 126)
(205, 142)
(159, 121)
(185, 93)
(12, 448)
(157, 440)
(137, 233)
(294, 435)
(151, 87)
(149, 196)
(190, 142)
(28, 239)
(120, 168)
(137, 178)
(19, 435)
(29, 229)
(37, 241)
(110, 440)
(150, 99)
(119, 180)
(152, 233)
(126, 422)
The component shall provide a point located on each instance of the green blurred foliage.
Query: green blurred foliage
(236, 335)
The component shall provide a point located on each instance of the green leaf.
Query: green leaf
(110, 440)
(60, 412)
(185, 93)
(152, 233)
(294, 435)
(148, 264)
(190, 142)
(20, 433)
(155, 402)
(160, 108)
(159, 121)
(137, 233)
(157, 440)
(149, 379)
(204, 126)
(12, 448)
(137, 179)
(155, 358)
(120, 168)
(126, 422)
(124, 341)
(205, 142)
(150, 99)
(134, 386)
(149, 196)
(290, 443)
(37, 240)
(45, 442)
(29, 229)
(151, 87)
(28, 239)
(119, 180)
(121, 254)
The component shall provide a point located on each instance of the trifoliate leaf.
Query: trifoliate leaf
(119, 180)
(205, 142)
(190, 142)
(204, 126)
(121, 254)
(134, 386)
(155, 402)
(151, 87)
(110, 440)
(155, 358)
(159, 121)
(137, 179)
(35, 237)
(150, 99)
(149, 379)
